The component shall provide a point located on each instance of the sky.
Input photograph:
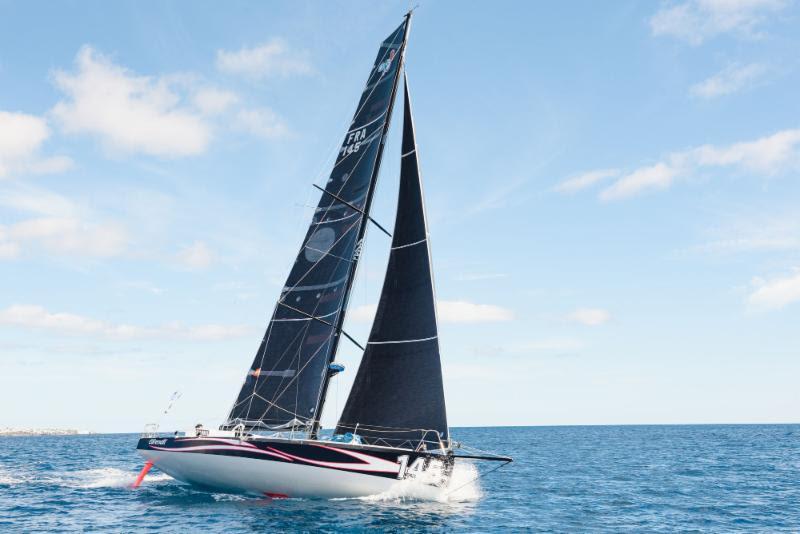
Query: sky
(613, 193)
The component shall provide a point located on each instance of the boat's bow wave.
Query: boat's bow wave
(463, 486)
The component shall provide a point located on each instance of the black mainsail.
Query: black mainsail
(285, 386)
(398, 397)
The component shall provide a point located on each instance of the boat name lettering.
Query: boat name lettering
(157, 442)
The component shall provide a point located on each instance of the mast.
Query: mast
(397, 397)
(363, 228)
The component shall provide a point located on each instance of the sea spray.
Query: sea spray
(462, 486)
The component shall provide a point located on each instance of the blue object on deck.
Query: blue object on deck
(348, 437)
(335, 368)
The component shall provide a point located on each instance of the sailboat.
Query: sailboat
(394, 424)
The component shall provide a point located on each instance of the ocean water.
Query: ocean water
(564, 479)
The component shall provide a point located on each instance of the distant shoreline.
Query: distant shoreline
(41, 432)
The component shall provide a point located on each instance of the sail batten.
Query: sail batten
(303, 332)
(397, 397)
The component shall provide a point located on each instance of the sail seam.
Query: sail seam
(287, 289)
(306, 318)
(336, 220)
(409, 152)
(327, 253)
(380, 80)
(410, 244)
(366, 123)
(401, 341)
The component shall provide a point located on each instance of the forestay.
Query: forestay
(285, 384)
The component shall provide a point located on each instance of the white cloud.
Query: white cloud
(50, 165)
(729, 80)
(8, 249)
(270, 59)
(70, 235)
(461, 311)
(214, 101)
(694, 21)
(262, 122)
(209, 332)
(449, 311)
(37, 317)
(37, 200)
(587, 179)
(59, 226)
(129, 112)
(768, 155)
(21, 137)
(775, 293)
(195, 256)
(658, 176)
(364, 313)
(590, 316)
(762, 233)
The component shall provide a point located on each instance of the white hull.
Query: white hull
(247, 475)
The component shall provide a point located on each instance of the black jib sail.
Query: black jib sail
(285, 385)
(397, 397)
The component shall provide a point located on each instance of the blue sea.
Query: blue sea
(564, 479)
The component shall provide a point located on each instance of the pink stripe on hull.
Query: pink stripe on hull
(200, 448)
(371, 463)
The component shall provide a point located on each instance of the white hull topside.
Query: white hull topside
(291, 468)
(263, 477)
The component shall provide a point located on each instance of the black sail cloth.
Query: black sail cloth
(398, 397)
(285, 383)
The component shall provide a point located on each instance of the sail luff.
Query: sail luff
(364, 226)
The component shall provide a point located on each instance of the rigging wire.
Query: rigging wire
(480, 475)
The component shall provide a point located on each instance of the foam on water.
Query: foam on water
(107, 477)
(463, 486)
(7, 478)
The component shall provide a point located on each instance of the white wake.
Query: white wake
(108, 477)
